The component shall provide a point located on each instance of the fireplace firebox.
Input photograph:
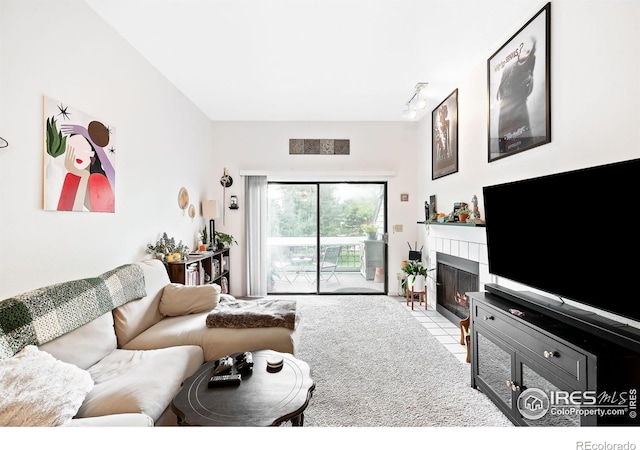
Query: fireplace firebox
(455, 276)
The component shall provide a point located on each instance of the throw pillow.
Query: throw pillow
(179, 300)
(39, 390)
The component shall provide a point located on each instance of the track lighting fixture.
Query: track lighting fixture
(418, 101)
(410, 113)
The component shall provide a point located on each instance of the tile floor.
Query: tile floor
(440, 327)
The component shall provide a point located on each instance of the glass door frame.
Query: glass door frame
(318, 237)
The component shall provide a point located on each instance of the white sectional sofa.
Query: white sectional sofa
(124, 366)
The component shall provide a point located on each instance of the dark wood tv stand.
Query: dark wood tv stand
(588, 368)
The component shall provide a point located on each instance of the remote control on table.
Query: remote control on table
(222, 366)
(225, 380)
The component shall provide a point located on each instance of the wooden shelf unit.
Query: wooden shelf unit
(206, 268)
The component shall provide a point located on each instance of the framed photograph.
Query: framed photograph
(518, 77)
(444, 134)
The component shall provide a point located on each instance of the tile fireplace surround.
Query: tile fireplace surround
(466, 242)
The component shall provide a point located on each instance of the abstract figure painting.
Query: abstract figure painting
(519, 90)
(79, 154)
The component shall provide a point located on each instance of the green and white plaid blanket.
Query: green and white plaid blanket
(41, 315)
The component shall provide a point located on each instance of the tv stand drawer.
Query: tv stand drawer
(550, 354)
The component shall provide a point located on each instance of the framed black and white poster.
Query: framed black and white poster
(518, 76)
(444, 135)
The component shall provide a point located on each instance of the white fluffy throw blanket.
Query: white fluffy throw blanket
(39, 390)
(233, 313)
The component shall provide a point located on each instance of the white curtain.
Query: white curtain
(255, 188)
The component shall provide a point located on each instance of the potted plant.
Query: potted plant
(166, 249)
(416, 276)
(371, 230)
(463, 212)
(204, 235)
(224, 240)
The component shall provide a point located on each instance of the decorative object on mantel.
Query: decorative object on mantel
(319, 147)
(463, 212)
(519, 81)
(3, 142)
(433, 212)
(183, 199)
(476, 212)
(444, 137)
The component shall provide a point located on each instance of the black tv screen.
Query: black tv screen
(572, 234)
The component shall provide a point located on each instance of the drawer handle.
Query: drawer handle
(514, 387)
(488, 317)
(551, 354)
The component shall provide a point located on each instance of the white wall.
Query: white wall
(595, 105)
(377, 148)
(65, 51)
(595, 110)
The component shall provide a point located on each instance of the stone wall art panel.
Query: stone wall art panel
(319, 147)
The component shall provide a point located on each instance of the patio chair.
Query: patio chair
(280, 265)
(329, 263)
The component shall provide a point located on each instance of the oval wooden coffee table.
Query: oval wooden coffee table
(262, 399)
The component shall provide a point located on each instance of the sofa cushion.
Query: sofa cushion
(86, 345)
(39, 390)
(178, 299)
(139, 381)
(215, 342)
(136, 316)
(41, 315)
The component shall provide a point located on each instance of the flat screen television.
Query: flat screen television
(571, 234)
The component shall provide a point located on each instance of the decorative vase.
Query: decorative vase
(418, 283)
(463, 217)
(174, 257)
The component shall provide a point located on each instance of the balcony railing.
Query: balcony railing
(290, 248)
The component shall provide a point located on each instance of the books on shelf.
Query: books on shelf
(195, 275)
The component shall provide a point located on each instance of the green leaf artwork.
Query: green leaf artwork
(56, 142)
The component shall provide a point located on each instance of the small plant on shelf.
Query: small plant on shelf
(204, 236)
(166, 246)
(224, 240)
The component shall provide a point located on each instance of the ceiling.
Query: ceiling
(314, 60)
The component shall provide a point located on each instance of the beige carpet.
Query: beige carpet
(375, 366)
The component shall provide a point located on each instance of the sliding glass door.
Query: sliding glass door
(326, 238)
